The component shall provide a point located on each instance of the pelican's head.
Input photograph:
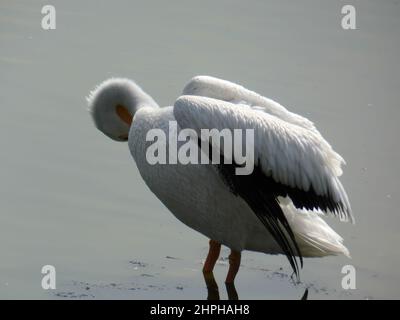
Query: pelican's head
(113, 105)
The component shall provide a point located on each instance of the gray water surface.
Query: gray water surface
(74, 199)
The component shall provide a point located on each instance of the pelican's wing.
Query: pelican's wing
(211, 87)
(289, 161)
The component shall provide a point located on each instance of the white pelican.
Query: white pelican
(275, 210)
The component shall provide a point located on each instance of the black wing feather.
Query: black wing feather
(265, 205)
(261, 193)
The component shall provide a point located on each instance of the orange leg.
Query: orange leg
(234, 264)
(212, 287)
(212, 257)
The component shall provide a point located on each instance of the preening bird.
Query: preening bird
(275, 210)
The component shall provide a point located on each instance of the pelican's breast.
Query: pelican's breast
(194, 193)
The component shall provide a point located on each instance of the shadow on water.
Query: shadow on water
(213, 291)
(305, 295)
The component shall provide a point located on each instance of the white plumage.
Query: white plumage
(290, 153)
(231, 92)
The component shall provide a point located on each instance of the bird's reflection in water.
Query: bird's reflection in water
(213, 291)
(305, 295)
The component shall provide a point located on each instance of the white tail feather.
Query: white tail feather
(313, 235)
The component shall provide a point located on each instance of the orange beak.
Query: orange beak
(124, 114)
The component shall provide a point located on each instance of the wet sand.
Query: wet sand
(74, 199)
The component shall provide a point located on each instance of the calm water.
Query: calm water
(74, 199)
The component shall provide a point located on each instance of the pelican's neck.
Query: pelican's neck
(133, 97)
(119, 91)
(113, 105)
